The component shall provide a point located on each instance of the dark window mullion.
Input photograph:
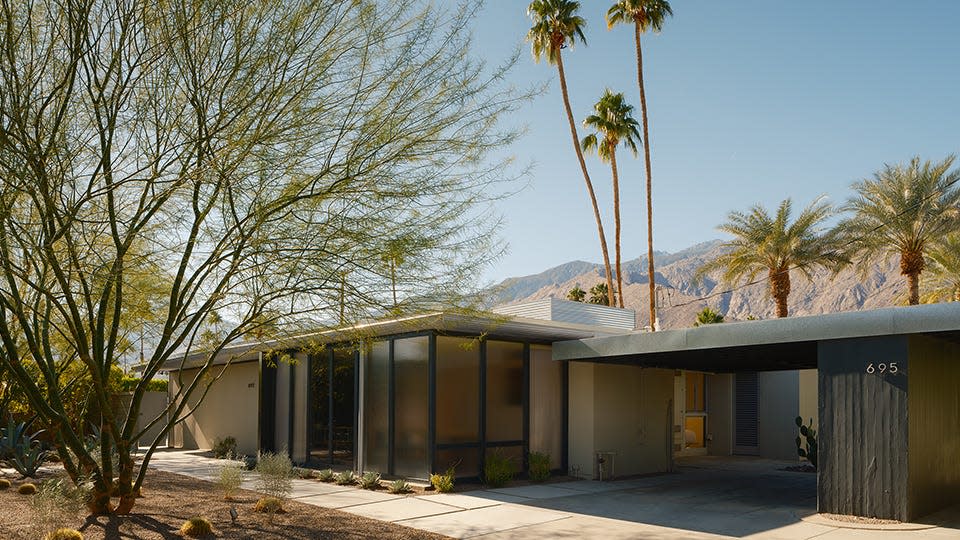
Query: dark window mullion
(432, 401)
(483, 404)
(330, 425)
(391, 413)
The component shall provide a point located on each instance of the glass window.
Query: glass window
(693, 433)
(696, 389)
(343, 406)
(320, 406)
(376, 408)
(504, 391)
(546, 404)
(458, 390)
(466, 461)
(411, 407)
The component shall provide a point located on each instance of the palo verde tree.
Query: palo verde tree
(223, 166)
(904, 210)
(775, 245)
(612, 124)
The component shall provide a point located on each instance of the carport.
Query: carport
(888, 386)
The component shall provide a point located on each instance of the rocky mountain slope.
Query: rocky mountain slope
(680, 298)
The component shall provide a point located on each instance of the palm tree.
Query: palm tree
(612, 124)
(556, 25)
(708, 316)
(942, 279)
(773, 244)
(645, 15)
(903, 210)
(600, 294)
(576, 294)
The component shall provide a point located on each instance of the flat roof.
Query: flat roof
(494, 326)
(773, 344)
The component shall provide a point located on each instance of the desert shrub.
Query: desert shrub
(27, 489)
(196, 527)
(808, 435)
(269, 505)
(399, 486)
(4, 483)
(224, 448)
(275, 474)
(346, 478)
(370, 480)
(64, 533)
(539, 466)
(326, 475)
(56, 504)
(306, 474)
(443, 482)
(229, 478)
(498, 470)
(249, 462)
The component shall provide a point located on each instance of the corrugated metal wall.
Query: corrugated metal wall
(863, 436)
(555, 309)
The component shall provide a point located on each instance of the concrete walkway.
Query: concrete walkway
(706, 499)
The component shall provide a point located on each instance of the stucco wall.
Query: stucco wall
(779, 406)
(229, 409)
(300, 381)
(934, 429)
(546, 404)
(720, 414)
(581, 421)
(808, 396)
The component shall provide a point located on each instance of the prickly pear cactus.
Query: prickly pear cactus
(807, 435)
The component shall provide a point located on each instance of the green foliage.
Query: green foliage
(230, 477)
(57, 503)
(370, 480)
(326, 475)
(196, 527)
(552, 18)
(708, 316)
(576, 294)
(647, 14)
(224, 448)
(443, 483)
(15, 439)
(498, 469)
(128, 383)
(598, 294)
(346, 478)
(304, 473)
(28, 461)
(613, 123)
(941, 276)
(274, 474)
(539, 464)
(64, 533)
(808, 436)
(27, 489)
(399, 487)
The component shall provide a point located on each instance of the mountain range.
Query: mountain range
(680, 296)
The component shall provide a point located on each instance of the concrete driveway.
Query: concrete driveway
(706, 498)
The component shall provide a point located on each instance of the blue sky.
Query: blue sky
(749, 101)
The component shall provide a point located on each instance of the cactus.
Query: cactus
(809, 436)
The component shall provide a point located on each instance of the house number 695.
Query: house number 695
(882, 368)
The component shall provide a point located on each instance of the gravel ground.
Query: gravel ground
(170, 499)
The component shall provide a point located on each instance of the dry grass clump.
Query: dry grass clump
(196, 527)
(64, 534)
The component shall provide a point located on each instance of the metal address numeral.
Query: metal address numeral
(882, 368)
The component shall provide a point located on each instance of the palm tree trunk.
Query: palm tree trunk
(780, 288)
(646, 159)
(911, 265)
(616, 222)
(913, 280)
(586, 178)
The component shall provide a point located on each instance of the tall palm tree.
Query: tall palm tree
(776, 246)
(645, 15)
(612, 123)
(942, 278)
(904, 210)
(556, 25)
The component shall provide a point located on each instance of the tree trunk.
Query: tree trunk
(99, 502)
(586, 178)
(646, 159)
(780, 288)
(911, 265)
(616, 222)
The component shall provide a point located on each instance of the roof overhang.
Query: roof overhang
(776, 344)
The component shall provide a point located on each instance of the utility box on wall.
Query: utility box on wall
(882, 424)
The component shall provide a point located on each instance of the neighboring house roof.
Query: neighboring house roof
(499, 326)
(774, 344)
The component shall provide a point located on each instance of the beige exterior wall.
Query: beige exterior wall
(300, 382)
(809, 396)
(229, 409)
(546, 404)
(620, 409)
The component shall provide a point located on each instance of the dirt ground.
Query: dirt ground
(170, 499)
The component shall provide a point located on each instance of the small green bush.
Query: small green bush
(346, 478)
(4, 483)
(807, 435)
(269, 505)
(399, 486)
(498, 470)
(539, 466)
(196, 527)
(370, 480)
(27, 489)
(443, 483)
(326, 475)
(275, 474)
(305, 474)
(229, 478)
(64, 534)
(224, 448)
